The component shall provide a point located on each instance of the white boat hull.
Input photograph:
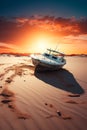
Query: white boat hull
(46, 66)
(48, 61)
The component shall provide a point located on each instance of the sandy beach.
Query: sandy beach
(54, 100)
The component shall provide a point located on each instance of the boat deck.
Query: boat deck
(49, 59)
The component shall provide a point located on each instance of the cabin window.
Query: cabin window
(47, 54)
(54, 57)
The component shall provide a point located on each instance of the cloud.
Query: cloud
(14, 30)
(83, 26)
(71, 26)
(66, 26)
(5, 49)
(81, 39)
(8, 30)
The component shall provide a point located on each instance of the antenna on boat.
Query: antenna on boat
(56, 48)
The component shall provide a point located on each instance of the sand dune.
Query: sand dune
(41, 101)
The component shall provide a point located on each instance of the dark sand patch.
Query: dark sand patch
(12, 106)
(66, 117)
(11, 68)
(8, 99)
(51, 116)
(71, 101)
(7, 93)
(23, 115)
(1, 64)
(5, 101)
(8, 80)
(1, 75)
(83, 102)
(18, 70)
(31, 67)
(74, 95)
(20, 115)
(8, 96)
(58, 113)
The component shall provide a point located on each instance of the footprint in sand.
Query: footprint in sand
(59, 113)
(8, 99)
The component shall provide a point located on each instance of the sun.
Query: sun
(42, 44)
(38, 42)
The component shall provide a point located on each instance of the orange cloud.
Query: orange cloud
(64, 26)
(22, 31)
(21, 20)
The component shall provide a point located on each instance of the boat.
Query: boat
(50, 60)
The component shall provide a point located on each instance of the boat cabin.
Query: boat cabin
(53, 54)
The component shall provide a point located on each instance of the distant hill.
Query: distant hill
(28, 54)
(82, 55)
(16, 54)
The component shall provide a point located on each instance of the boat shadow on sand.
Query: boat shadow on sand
(62, 79)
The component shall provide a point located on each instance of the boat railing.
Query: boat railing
(54, 51)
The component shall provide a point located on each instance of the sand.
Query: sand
(54, 100)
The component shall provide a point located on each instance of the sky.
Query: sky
(33, 25)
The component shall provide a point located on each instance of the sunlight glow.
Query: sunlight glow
(38, 43)
(42, 44)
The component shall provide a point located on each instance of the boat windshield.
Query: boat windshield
(54, 52)
(54, 57)
(46, 54)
